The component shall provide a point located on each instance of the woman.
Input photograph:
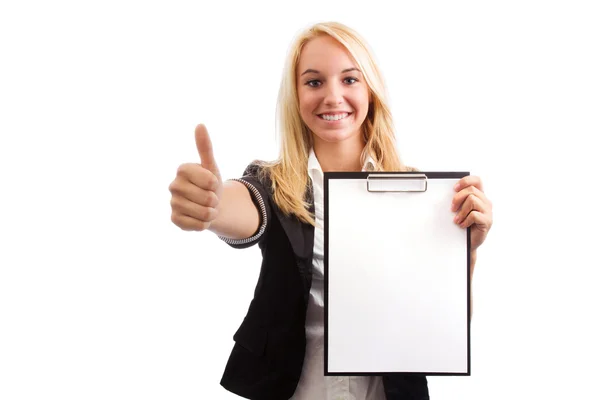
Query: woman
(333, 116)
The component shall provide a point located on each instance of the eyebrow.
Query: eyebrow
(314, 71)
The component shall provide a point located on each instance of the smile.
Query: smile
(333, 117)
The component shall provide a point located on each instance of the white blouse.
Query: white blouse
(313, 383)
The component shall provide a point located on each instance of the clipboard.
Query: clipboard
(396, 275)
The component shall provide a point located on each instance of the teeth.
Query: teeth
(335, 117)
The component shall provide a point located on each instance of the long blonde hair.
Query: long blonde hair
(289, 173)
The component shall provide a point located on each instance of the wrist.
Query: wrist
(473, 260)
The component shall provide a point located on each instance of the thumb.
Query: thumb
(205, 150)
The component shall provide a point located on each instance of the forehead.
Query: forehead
(324, 54)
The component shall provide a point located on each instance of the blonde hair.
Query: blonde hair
(289, 173)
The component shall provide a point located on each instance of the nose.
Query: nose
(333, 94)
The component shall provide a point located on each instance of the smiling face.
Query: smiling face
(332, 93)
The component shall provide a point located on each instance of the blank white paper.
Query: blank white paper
(397, 281)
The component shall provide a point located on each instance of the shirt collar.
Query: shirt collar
(369, 164)
(313, 162)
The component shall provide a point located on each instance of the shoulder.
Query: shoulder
(259, 172)
(256, 169)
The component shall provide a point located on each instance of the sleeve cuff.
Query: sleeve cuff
(258, 200)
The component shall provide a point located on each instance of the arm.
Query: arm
(244, 216)
(237, 216)
(473, 260)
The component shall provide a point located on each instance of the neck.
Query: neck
(342, 156)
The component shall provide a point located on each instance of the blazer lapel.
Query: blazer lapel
(301, 236)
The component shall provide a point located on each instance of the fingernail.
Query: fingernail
(456, 186)
(456, 218)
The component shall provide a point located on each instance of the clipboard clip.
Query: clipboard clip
(397, 183)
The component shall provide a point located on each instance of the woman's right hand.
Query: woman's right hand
(196, 190)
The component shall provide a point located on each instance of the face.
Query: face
(332, 92)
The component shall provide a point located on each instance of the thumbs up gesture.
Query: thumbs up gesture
(197, 188)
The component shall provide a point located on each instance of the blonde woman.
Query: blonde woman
(333, 116)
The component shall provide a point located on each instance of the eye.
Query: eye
(313, 83)
(350, 80)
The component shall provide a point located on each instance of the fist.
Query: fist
(197, 188)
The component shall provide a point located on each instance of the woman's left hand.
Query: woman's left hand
(472, 209)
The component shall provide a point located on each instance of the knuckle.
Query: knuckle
(175, 203)
(213, 182)
(176, 219)
(204, 226)
(465, 217)
(212, 199)
(175, 186)
(184, 169)
(185, 224)
(206, 214)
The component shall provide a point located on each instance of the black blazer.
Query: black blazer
(268, 353)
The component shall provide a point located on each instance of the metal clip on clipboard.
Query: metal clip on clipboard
(397, 182)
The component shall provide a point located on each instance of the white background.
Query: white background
(102, 297)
